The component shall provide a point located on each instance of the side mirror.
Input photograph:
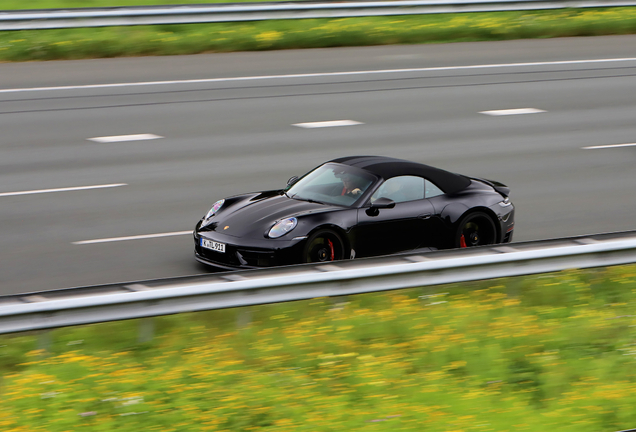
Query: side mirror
(383, 203)
(292, 180)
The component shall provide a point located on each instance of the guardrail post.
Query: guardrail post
(243, 317)
(146, 329)
(513, 290)
(338, 302)
(44, 343)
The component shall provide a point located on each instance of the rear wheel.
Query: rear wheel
(475, 229)
(323, 246)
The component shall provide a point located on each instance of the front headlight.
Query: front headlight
(505, 203)
(214, 210)
(282, 227)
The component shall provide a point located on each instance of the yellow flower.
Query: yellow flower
(269, 36)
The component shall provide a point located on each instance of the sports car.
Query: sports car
(358, 206)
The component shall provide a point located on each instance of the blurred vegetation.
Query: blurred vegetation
(548, 352)
(311, 33)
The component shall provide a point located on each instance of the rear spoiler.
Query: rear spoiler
(499, 187)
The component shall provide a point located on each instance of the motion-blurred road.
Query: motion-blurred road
(227, 136)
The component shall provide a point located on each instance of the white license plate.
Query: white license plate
(213, 245)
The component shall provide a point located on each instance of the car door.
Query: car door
(401, 228)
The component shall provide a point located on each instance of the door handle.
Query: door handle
(425, 216)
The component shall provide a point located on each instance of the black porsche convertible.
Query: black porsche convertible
(358, 206)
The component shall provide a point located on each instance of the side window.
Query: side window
(432, 190)
(401, 189)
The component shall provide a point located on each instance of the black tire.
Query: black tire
(323, 246)
(475, 229)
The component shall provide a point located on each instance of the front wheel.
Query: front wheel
(323, 246)
(475, 229)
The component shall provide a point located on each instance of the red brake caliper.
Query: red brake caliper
(331, 249)
(462, 241)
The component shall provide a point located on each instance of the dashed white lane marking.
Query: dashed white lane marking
(324, 74)
(122, 138)
(77, 188)
(137, 237)
(609, 146)
(517, 111)
(324, 124)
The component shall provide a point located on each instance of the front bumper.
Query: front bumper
(248, 253)
(506, 218)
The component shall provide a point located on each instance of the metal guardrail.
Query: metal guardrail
(228, 12)
(87, 305)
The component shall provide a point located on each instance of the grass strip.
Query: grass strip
(311, 33)
(548, 352)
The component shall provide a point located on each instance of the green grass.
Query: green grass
(547, 352)
(314, 33)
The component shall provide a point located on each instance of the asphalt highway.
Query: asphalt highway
(226, 126)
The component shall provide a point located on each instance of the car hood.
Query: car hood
(253, 216)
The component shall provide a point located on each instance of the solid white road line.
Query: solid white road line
(324, 124)
(122, 138)
(30, 192)
(609, 146)
(517, 111)
(325, 74)
(137, 237)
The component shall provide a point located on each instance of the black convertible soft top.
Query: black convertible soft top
(387, 167)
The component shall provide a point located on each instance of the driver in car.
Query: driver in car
(351, 185)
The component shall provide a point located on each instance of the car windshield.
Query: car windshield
(332, 183)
